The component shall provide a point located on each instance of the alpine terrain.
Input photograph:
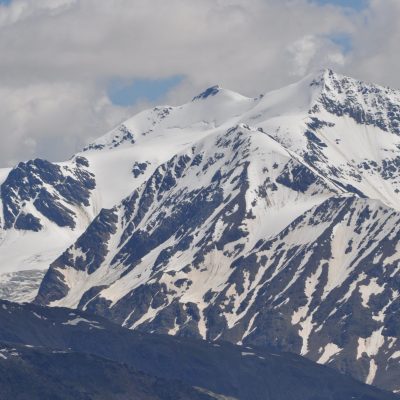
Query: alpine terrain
(268, 222)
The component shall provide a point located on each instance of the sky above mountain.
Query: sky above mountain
(355, 4)
(72, 69)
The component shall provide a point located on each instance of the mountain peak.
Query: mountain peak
(323, 76)
(211, 91)
(328, 77)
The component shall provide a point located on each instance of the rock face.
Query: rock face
(64, 354)
(39, 188)
(272, 222)
(43, 208)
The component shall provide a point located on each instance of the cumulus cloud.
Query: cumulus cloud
(58, 57)
(52, 118)
(309, 51)
(375, 40)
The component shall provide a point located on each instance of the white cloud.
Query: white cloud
(57, 57)
(376, 37)
(21, 10)
(56, 118)
(310, 52)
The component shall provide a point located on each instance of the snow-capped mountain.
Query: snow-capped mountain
(268, 221)
(45, 207)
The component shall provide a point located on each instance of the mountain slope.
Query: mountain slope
(199, 202)
(28, 373)
(76, 345)
(320, 273)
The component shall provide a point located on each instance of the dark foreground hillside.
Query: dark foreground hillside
(43, 374)
(79, 356)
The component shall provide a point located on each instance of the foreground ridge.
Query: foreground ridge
(89, 356)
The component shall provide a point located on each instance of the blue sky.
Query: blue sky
(126, 94)
(355, 4)
(343, 40)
